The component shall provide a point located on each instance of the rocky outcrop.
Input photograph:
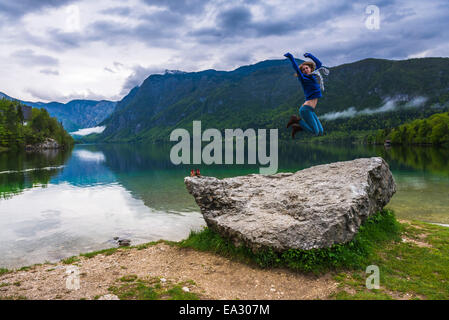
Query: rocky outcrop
(312, 208)
(49, 143)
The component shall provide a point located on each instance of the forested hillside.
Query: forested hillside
(75, 114)
(15, 133)
(433, 130)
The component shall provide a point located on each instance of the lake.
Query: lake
(58, 204)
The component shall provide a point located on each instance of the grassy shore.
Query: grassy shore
(412, 257)
(375, 232)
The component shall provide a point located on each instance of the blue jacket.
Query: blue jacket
(309, 82)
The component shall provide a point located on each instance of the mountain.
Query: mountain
(378, 92)
(76, 114)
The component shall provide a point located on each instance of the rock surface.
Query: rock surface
(312, 208)
(122, 242)
(49, 143)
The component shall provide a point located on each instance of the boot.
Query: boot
(295, 128)
(293, 119)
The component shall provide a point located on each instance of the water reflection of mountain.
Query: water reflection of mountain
(23, 170)
(86, 167)
(147, 172)
(136, 157)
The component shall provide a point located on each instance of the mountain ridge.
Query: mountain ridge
(265, 94)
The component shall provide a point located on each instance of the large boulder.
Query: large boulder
(311, 208)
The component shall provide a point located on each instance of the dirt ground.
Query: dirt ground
(214, 277)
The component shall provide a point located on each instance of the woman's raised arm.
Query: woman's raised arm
(315, 59)
(294, 64)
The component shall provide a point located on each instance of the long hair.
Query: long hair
(310, 64)
(316, 73)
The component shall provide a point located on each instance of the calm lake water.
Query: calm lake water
(58, 204)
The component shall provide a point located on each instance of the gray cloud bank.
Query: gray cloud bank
(223, 34)
(28, 57)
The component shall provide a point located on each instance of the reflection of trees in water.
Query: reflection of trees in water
(425, 158)
(23, 170)
(431, 159)
(129, 157)
(307, 154)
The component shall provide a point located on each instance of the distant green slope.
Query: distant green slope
(432, 130)
(264, 95)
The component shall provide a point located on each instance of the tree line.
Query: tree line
(432, 130)
(16, 132)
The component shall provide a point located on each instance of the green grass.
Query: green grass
(129, 278)
(110, 251)
(130, 287)
(363, 295)
(70, 260)
(26, 268)
(106, 252)
(379, 229)
(3, 271)
(13, 298)
(406, 268)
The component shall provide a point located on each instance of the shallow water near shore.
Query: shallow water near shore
(58, 204)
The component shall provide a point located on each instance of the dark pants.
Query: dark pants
(309, 120)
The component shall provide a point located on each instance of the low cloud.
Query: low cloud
(391, 104)
(50, 72)
(86, 131)
(119, 11)
(14, 9)
(138, 75)
(28, 57)
(239, 22)
(156, 29)
(187, 7)
(46, 95)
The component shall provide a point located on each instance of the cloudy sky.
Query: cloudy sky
(59, 50)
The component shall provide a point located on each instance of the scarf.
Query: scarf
(320, 77)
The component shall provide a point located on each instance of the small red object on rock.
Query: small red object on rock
(192, 173)
(198, 172)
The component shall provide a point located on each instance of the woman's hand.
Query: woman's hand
(288, 55)
(307, 55)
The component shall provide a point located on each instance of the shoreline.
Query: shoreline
(207, 275)
(145, 244)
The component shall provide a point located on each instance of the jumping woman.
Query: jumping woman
(312, 84)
